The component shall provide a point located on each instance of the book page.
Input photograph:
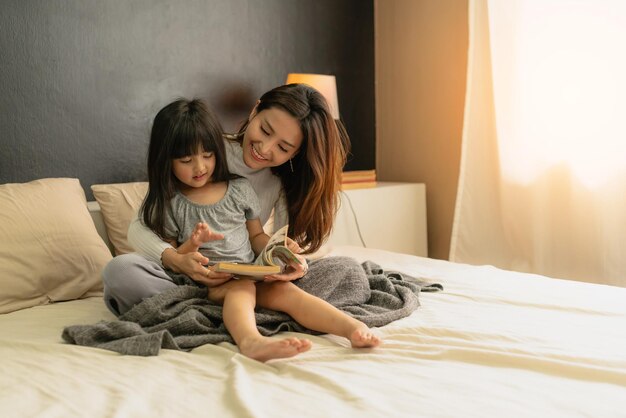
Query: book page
(274, 257)
(276, 251)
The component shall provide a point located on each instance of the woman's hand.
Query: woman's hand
(292, 245)
(293, 271)
(192, 265)
(212, 278)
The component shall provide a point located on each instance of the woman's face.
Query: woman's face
(273, 137)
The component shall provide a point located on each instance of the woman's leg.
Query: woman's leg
(340, 281)
(130, 278)
(314, 313)
(239, 299)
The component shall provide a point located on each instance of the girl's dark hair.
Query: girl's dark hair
(312, 189)
(179, 130)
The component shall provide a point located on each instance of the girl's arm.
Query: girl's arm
(258, 238)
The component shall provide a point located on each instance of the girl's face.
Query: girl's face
(273, 136)
(195, 170)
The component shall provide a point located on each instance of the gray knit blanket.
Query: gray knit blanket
(183, 318)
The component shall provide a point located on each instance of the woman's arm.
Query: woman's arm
(281, 215)
(148, 244)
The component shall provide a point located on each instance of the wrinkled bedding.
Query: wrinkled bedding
(493, 343)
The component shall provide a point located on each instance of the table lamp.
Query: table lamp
(325, 84)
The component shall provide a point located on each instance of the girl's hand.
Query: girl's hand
(191, 264)
(293, 272)
(202, 233)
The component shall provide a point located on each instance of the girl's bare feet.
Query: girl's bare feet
(363, 337)
(264, 348)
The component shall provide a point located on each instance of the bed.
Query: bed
(493, 343)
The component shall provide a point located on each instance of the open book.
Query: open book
(272, 260)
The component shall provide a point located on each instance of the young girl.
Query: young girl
(194, 200)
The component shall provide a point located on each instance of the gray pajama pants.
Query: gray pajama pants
(130, 278)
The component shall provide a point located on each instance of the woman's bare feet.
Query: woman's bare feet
(264, 348)
(363, 337)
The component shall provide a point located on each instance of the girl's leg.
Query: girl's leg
(130, 278)
(239, 299)
(314, 313)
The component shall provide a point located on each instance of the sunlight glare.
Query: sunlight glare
(559, 72)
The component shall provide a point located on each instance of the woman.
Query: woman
(293, 152)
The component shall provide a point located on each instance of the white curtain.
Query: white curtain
(542, 187)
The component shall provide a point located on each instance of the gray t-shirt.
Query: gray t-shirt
(228, 217)
(269, 193)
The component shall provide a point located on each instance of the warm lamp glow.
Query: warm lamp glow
(325, 84)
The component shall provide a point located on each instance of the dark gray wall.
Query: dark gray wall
(81, 80)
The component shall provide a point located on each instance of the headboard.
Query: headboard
(96, 215)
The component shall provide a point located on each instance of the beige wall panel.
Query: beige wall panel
(421, 62)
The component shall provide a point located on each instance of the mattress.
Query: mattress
(493, 343)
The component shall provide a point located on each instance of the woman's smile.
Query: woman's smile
(256, 155)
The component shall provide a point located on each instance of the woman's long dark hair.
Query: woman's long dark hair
(312, 188)
(179, 130)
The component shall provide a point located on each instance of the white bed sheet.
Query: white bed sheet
(494, 343)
